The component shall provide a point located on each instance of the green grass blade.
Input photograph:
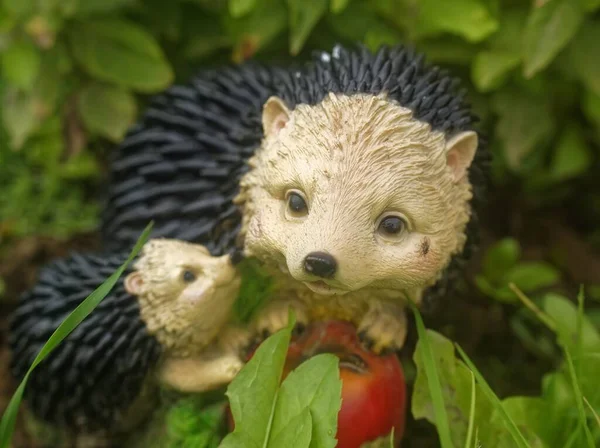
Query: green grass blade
(7, 425)
(487, 390)
(469, 441)
(594, 413)
(579, 399)
(433, 380)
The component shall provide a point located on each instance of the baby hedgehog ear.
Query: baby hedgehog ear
(275, 116)
(460, 151)
(133, 283)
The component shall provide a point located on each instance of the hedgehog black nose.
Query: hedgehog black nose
(320, 264)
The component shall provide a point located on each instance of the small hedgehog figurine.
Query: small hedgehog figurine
(163, 324)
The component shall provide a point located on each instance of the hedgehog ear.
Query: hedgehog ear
(275, 116)
(460, 151)
(133, 283)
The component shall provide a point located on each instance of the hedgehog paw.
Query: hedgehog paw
(383, 329)
(275, 316)
(235, 340)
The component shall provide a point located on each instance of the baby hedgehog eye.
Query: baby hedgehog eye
(296, 204)
(392, 225)
(189, 276)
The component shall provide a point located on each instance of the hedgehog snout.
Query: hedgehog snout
(320, 264)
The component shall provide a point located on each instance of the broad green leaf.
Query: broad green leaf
(525, 121)
(107, 110)
(255, 30)
(19, 116)
(21, 64)
(86, 8)
(528, 414)
(591, 5)
(20, 8)
(433, 406)
(120, 52)
(583, 55)
(239, 8)
(500, 258)
(549, 29)
(456, 386)
(571, 157)
(253, 393)
(338, 6)
(591, 107)
(533, 275)
(207, 36)
(491, 68)
(564, 314)
(315, 386)
(470, 19)
(64, 329)
(503, 416)
(355, 21)
(296, 433)
(303, 18)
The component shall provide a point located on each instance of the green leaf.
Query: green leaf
(500, 258)
(583, 55)
(95, 7)
(470, 19)
(564, 313)
(491, 68)
(191, 423)
(338, 6)
(83, 310)
(107, 110)
(503, 415)
(239, 8)
(591, 107)
(355, 21)
(428, 358)
(530, 276)
(528, 413)
(297, 432)
(579, 400)
(255, 290)
(19, 116)
(120, 52)
(525, 121)
(21, 64)
(20, 8)
(254, 31)
(591, 5)
(303, 18)
(315, 386)
(549, 29)
(253, 393)
(571, 157)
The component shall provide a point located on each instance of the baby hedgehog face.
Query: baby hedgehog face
(353, 192)
(185, 294)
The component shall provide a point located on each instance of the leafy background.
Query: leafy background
(75, 74)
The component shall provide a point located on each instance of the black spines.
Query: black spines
(96, 373)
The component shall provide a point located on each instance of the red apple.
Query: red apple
(373, 387)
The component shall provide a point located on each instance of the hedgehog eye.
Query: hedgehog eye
(296, 203)
(188, 276)
(391, 226)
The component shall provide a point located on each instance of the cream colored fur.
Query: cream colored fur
(355, 159)
(189, 318)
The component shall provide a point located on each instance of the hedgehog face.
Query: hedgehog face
(181, 288)
(354, 193)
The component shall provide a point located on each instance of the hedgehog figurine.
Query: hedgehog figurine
(355, 179)
(163, 324)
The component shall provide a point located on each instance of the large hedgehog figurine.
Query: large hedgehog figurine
(355, 178)
(164, 324)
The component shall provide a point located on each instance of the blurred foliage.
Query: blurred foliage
(75, 74)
